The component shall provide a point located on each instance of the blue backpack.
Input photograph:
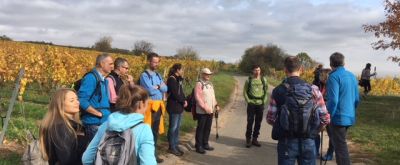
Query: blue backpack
(297, 117)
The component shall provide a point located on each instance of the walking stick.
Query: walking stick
(216, 124)
(322, 141)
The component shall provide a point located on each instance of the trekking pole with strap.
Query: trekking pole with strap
(321, 149)
(216, 124)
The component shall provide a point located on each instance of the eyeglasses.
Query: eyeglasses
(127, 68)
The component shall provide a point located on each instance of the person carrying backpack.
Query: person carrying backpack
(206, 105)
(155, 86)
(93, 95)
(117, 78)
(62, 139)
(175, 104)
(342, 101)
(255, 93)
(124, 138)
(297, 112)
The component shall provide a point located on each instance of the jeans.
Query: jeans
(254, 115)
(155, 116)
(339, 134)
(173, 130)
(301, 150)
(90, 131)
(203, 129)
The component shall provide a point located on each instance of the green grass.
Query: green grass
(378, 128)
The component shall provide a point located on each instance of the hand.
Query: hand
(217, 108)
(322, 129)
(130, 78)
(185, 104)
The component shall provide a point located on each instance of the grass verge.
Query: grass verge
(377, 130)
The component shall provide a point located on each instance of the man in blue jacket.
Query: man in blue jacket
(93, 95)
(343, 98)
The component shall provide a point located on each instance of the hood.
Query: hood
(120, 122)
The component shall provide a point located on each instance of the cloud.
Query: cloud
(218, 29)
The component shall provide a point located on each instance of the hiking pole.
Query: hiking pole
(320, 153)
(216, 124)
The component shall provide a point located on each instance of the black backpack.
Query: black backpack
(77, 85)
(298, 116)
(191, 101)
(249, 86)
(117, 148)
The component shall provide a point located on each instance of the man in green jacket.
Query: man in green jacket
(255, 94)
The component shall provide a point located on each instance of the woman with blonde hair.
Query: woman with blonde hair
(130, 108)
(61, 136)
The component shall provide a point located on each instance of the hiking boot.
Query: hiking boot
(200, 150)
(175, 152)
(209, 148)
(159, 160)
(179, 150)
(256, 143)
(248, 143)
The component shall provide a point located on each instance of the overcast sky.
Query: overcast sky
(217, 29)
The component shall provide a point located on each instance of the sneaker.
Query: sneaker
(256, 143)
(200, 150)
(209, 148)
(179, 150)
(175, 152)
(248, 143)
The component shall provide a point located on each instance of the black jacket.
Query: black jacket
(176, 97)
(64, 148)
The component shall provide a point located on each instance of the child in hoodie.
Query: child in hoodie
(131, 104)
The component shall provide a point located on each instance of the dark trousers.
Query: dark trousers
(367, 85)
(254, 115)
(90, 131)
(155, 119)
(204, 122)
(330, 148)
(339, 134)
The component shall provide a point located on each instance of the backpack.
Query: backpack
(151, 78)
(298, 116)
(191, 102)
(117, 148)
(77, 85)
(249, 87)
(32, 154)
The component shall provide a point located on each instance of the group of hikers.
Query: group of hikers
(110, 119)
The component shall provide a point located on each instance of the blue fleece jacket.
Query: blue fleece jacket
(100, 103)
(148, 83)
(342, 97)
(144, 143)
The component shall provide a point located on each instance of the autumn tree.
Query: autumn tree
(306, 61)
(187, 53)
(142, 47)
(103, 44)
(388, 31)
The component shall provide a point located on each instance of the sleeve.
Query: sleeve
(356, 93)
(245, 88)
(163, 86)
(111, 89)
(272, 109)
(88, 85)
(145, 82)
(266, 90)
(146, 147)
(332, 92)
(66, 147)
(199, 96)
(321, 108)
(90, 153)
(173, 87)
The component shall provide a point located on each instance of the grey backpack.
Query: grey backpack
(117, 148)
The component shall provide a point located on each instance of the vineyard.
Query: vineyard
(53, 66)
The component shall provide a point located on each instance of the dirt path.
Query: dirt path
(230, 147)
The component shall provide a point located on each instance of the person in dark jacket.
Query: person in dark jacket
(62, 138)
(175, 104)
(117, 78)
